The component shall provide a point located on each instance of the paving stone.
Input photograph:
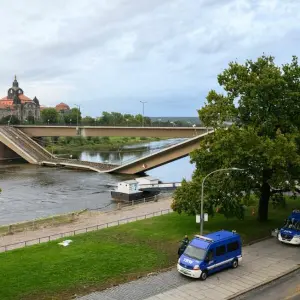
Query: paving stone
(262, 261)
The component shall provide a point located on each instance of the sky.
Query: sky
(108, 55)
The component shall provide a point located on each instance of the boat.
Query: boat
(130, 190)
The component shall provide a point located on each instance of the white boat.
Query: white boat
(130, 189)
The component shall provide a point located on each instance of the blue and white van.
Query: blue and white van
(290, 232)
(210, 253)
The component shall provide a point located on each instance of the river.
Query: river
(30, 191)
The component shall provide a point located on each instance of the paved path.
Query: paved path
(262, 261)
(285, 288)
(85, 220)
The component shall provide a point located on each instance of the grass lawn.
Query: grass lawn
(99, 259)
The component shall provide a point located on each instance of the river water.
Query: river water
(30, 192)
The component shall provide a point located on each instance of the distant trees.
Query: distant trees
(49, 116)
(72, 116)
(13, 120)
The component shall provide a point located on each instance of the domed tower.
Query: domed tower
(15, 83)
(14, 90)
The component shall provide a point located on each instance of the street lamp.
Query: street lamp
(202, 190)
(48, 121)
(78, 111)
(143, 102)
(159, 122)
(70, 121)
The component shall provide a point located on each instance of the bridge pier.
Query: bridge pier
(6, 153)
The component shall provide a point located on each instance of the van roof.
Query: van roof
(204, 241)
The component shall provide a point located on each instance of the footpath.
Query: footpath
(88, 219)
(262, 262)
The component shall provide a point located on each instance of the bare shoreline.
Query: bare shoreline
(83, 220)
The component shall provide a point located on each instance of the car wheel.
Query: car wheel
(203, 275)
(235, 264)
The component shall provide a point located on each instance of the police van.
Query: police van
(290, 232)
(210, 253)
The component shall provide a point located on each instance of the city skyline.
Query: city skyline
(110, 55)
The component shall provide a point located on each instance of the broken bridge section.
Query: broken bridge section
(161, 157)
(20, 143)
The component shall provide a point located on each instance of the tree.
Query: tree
(13, 120)
(49, 115)
(72, 116)
(88, 121)
(263, 100)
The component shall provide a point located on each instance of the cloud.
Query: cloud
(109, 54)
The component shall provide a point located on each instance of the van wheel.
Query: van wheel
(235, 264)
(203, 275)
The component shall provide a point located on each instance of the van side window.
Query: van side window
(233, 246)
(221, 250)
(210, 255)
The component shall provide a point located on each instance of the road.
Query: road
(286, 288)
(263, 261)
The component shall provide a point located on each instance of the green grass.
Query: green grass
(99, 259)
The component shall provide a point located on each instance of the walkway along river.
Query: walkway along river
(30, 192)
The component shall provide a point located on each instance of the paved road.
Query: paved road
(262, 261)
(286, 288)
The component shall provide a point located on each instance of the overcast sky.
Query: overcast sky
(111, 54)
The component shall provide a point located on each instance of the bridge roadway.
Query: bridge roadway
(21, 144)
(84, 131)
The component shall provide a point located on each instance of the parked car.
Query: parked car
(211, 253)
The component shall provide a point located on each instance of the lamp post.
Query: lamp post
(159, 122)
(48, 121)
(78, 111)
(70, 121)
(202, 192)
(143, 102)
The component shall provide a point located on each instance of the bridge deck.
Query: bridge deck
(79, 164)
(34, 153)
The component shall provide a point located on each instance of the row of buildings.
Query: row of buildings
(23, 107)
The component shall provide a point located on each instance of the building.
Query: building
(19, 105)
(62, 108)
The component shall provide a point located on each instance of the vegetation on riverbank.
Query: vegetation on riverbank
(69, 144)
(36, 224)
(97, 260)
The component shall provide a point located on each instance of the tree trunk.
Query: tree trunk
(265, 193)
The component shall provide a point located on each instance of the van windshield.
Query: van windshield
(292, 224)
(194, 252)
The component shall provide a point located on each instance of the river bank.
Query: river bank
(133, 250)
(76, 144)
(46, 229)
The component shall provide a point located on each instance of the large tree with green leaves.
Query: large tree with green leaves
(49, 115)
(263, 102)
